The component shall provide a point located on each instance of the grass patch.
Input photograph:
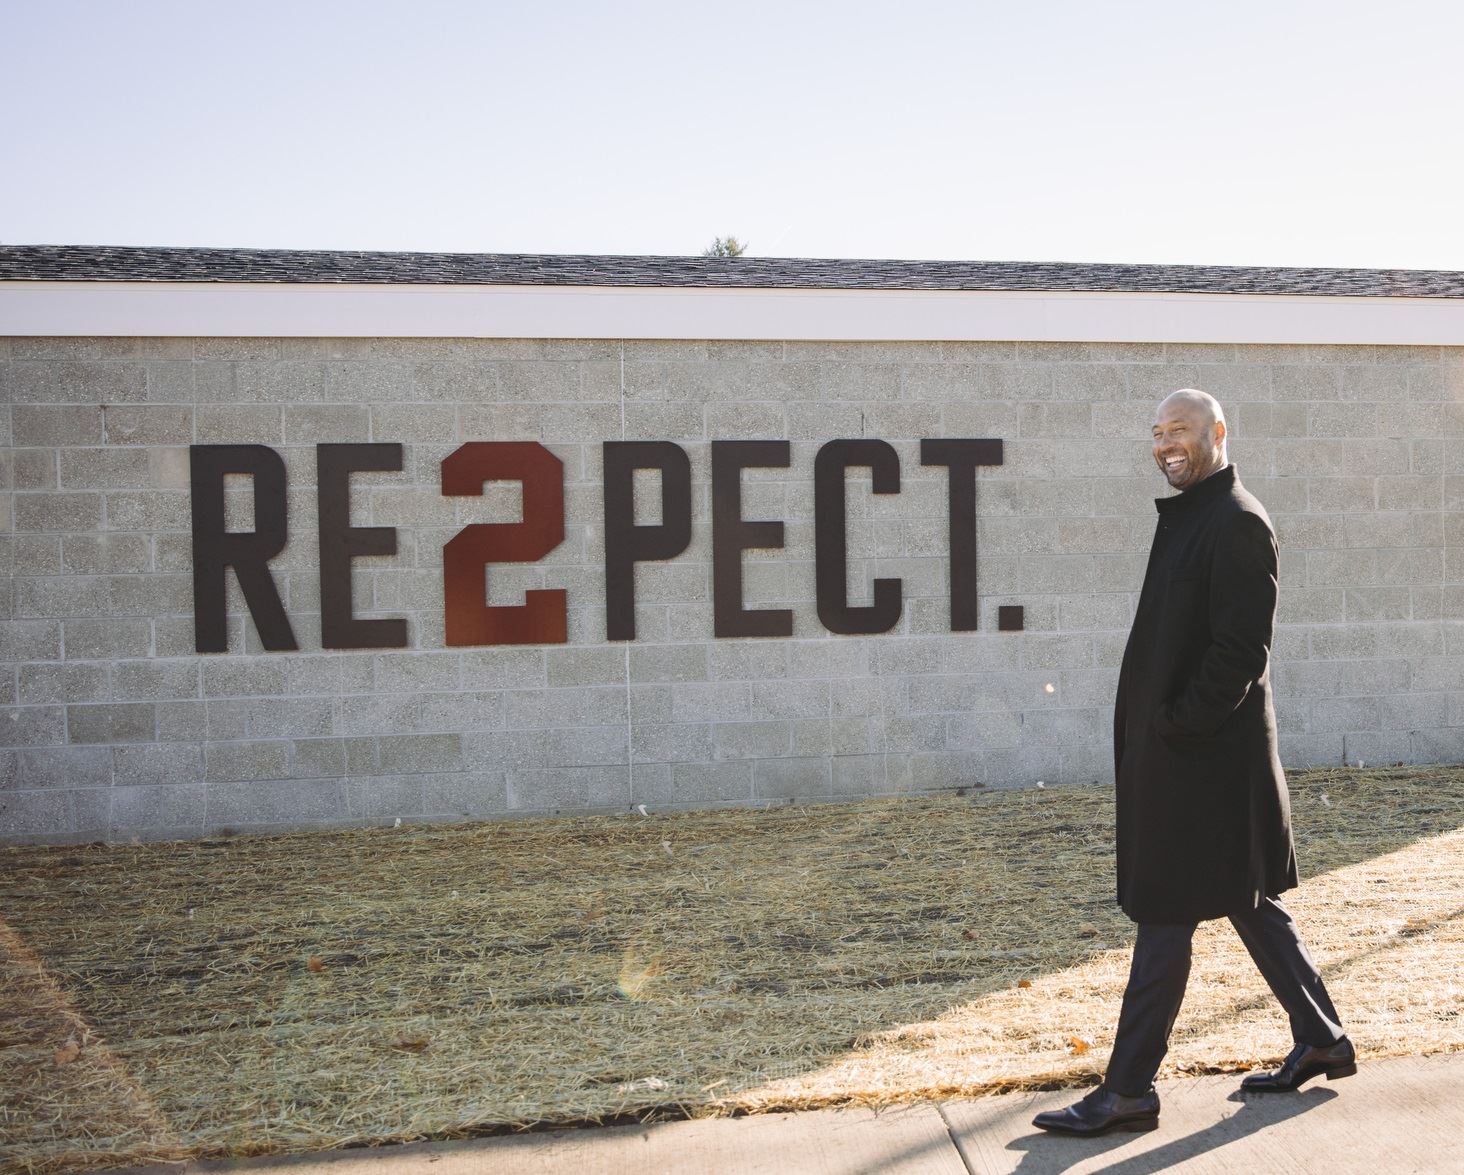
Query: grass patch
(312, 991)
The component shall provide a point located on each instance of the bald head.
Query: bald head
(1189, 437)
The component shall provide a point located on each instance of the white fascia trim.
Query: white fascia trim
(253, 309)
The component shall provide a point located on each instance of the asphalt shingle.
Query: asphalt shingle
(103, 263)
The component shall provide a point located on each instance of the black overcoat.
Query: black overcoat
(1204, 823)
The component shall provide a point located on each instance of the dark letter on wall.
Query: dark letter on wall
(626, 544)
(248, 553)
(340, 542)
(831, 546)
(542, 618)
(731, 536)
(962, 457)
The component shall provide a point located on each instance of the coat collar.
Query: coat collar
(1217, 484)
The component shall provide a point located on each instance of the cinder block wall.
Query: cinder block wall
(114, 727)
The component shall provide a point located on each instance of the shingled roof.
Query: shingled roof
(89, 263)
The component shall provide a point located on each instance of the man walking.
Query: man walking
(1204, 822)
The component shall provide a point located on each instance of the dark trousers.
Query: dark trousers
(1160, 970)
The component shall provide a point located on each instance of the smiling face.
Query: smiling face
(1189, 438)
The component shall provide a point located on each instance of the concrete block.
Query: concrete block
(467, 710)
(790, 699)
(1377, 748)
(568, 706)
(1344, 715)
(1438, 746)
(151, 807)
(415, 753)
(1309, 382)
(980, 732)
(1375, 677)
(279, 383)
(464, 796)
(459, 382)
(103, 640)
(977, 418)
(339, 424)
(156, 764)
(148, 424)
(116, 468)
(383, 797)
(906, 734)
(589, 746)
(812, 736)
(318, 758)
(67, 681)
(388, 382)
(32, 554)
(750, 740)
(377, 713)
(105, 554)
(151, 511)
(935, 771)
(57, 512)
(64, 767)
(1056, 420)
(1413, 492)
(1343, 642)
(238, 677)
(676, 743)
(181, 721)
(1057, 651)
(34, 468)
(1113, 610)
(576, 422)
(246, 761)
(792, 779)
(77, 383)
(681, 421)
(25, 814)
(1344, 419)
(668, 663)
(148, 595)
(699, 783)
(858, 775)
(239, 424)
(265, 802)
(406, 672)
(30, 640)
(554, 789)
(242, 718)
(1087, 687)
(1342, 568)
(149, 681)
(235, 349)
(122, 722)
(40, 425)
(1066, 726)
(414, 422)
(702, 702)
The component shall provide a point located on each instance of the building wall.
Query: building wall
(113, 726)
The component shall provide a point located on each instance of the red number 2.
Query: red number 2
(541, 618)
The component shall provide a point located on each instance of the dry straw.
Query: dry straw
(303, 992)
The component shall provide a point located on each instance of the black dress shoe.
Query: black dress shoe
(1102, 1111)
(1302, 1064)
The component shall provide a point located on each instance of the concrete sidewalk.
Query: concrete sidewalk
(1395, 1116)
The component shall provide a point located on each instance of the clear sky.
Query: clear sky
(1202, 131)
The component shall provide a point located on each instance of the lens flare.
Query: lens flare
(636, 975)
